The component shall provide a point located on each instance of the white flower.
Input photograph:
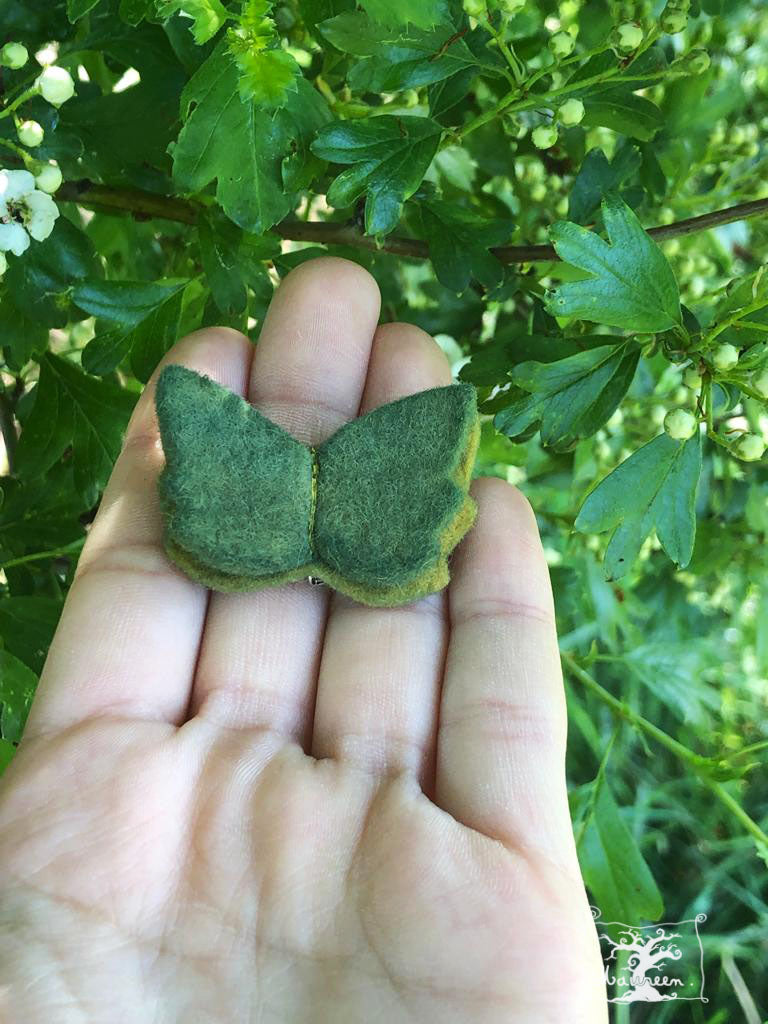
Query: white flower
(48, 178)
(24, 211)
(56, 85)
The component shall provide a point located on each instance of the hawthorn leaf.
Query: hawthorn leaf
(76, 9)
(388, 158)
(40, 514)
(622, 111)
(41, 279)
(7, 753)
(422, 13)
(655, 488)
(17, 688)
(597, 176)
(459, 241)
(570, 398)
(241, 146)
(631, 283)
(207, 15)
(27, 625)
(143, 318)
(614, 868)
(231, 260)
(74, 409)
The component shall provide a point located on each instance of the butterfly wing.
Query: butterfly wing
(236, 489)
(392, 496)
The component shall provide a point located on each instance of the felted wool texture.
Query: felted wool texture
(398, 478)
(236, 488)
(374, 512)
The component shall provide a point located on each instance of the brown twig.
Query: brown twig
(185, 211)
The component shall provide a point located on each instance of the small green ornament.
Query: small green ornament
(374, 511)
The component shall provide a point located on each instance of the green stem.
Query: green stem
(69, 549)
(701, 765)
(731, 320)
(22, 98)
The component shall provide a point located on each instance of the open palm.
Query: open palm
(284, 806)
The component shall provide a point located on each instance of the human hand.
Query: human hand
(285, 806)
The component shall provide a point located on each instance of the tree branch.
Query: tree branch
(147, 205)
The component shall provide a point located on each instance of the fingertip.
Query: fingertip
(404, 360)
(331, 282)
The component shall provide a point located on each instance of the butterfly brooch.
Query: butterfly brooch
(374, 511)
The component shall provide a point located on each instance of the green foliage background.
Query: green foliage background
(212, 146)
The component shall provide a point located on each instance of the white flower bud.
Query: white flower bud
(760, 383)
(48, 179)
(680, 424)
(13, 55)
(562, 44)
(629, 35)
(544, 136)
(725, 357)
(56, 85)
(30, 133)
(571, 112)
(749, 448)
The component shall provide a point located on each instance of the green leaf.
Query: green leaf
(654, 488)
(389, 157)
(597, 177)
(125, 302)
(207, 15)
(241, 146)
(231, 259)
(22, 339)
(396, 59)
(459, 240)
(7, 752)
(40, 514)
(422, 13)
(17, 688)
(631, 286)
(77, 8)
(570, 398)
(134, 11)
(622, 111)
(145, 315)
(73, 408)
(40, 280)
(613, 866)
(27, 625)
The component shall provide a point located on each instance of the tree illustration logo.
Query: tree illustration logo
(652, 963)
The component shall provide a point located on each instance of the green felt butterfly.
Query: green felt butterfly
(374, 511)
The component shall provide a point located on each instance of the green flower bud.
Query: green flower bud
(725, 357)
(562, 44)
(13, 55)
(511, 6)
(628, 36)
(692, 378)
(475, 8)
(539, 192)
(680, 424)
(673, 21)
(544, 136)
(759, 383)
(571, 112)
(749, 448)
(695, 63)
(30, 133)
